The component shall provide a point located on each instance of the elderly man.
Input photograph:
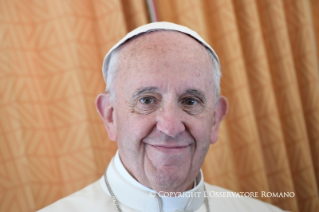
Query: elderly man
(163, 108)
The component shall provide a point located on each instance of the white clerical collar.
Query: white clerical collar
(131, 193)
(122, 170)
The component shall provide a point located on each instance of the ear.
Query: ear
(106, 111)
(221, 109)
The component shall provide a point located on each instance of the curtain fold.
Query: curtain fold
(264, 101)
(270, 76)
(52, 141)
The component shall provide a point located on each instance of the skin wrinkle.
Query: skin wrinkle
(136, 98)
(160, 176)
(166, 180)
(212, 56)
(165, 97)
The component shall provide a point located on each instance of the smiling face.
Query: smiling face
(163, 116)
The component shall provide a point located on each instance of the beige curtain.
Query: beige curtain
(52, 142)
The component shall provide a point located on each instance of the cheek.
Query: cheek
(200, 130)
(134, 127)
(201, 133)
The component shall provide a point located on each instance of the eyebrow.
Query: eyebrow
(197, 93)
(141, 90)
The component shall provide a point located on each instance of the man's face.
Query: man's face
(164, 114)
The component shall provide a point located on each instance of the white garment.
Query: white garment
(168, 203)
(133, 196)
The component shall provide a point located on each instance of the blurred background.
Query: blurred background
(53, 143)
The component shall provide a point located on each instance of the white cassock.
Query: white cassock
(133, 196)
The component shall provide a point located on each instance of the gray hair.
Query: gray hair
(110, 76)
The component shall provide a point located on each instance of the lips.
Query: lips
(169, 149)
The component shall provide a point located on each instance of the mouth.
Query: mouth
(170, 149)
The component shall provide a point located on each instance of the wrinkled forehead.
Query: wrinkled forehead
(169, 61)
(157, 26)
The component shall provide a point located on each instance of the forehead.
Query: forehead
(166, 56)
(162, 41)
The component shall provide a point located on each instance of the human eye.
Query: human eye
(146, 104)
(147, 100)
(190, 101)
(192, 105)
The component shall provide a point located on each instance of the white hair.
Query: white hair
(110, 76)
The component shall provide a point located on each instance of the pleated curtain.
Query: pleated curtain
(53, 143)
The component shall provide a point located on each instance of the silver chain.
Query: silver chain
(117, 205)
(112, 194)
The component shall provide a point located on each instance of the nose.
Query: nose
(170, 121)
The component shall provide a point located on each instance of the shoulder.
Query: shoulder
(228, 200)
(90, 198)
